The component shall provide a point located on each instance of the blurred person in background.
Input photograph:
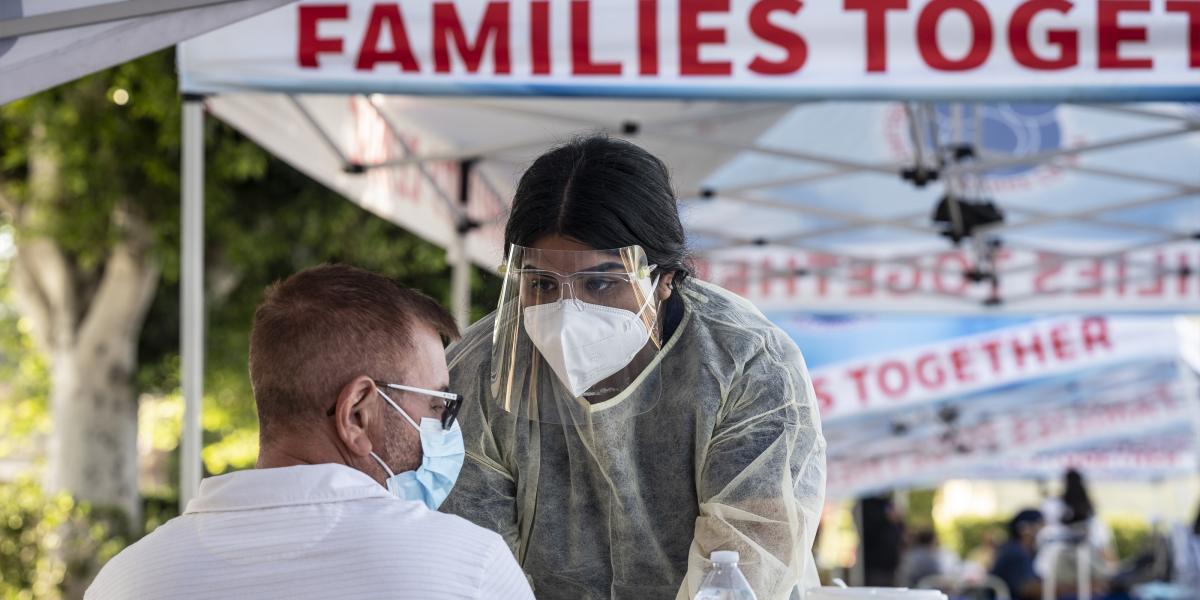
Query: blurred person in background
(1072, 524)
(1014, 559)
(983, 556)
(1185, 554)
(882, 536)
(925, 557)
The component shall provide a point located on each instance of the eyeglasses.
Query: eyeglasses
(451, 402)
(540, 286)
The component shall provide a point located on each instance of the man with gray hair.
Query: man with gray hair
(359, 445)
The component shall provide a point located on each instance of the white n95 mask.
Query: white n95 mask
(586, 343)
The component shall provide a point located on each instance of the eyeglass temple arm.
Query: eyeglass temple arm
(416, 390)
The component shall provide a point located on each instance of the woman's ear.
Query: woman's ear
(354, 415)
(666, 286)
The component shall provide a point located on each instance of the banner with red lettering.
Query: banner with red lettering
(1169, 453)
(997, 397)
(1043, 49)
(1015, 443)
(1159, 278)
(961, 366)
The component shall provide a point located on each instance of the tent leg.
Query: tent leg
(192, 297)
(858, 574)
(460, 283)
(460, 279)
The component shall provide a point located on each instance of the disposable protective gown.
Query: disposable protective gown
(716, 446)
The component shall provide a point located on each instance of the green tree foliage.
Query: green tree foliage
(919, 512)
(39, 554)
(965, 534)
(23, 372)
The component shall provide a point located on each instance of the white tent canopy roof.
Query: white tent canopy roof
(48, 42)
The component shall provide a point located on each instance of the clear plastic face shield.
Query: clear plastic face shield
(575, 327)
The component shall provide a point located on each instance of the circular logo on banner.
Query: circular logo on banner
(1003, 130)
(9, 9)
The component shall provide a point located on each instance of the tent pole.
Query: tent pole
(192, 296)
(858, 574)
(460, 281)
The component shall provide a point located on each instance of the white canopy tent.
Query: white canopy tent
(48, 42)
(427, 114)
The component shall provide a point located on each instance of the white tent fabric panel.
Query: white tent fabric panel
(1101, 205)
(400, 157)
(34, 62)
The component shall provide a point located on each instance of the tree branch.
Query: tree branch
(127, 286)
(35, 268)
(9, 206)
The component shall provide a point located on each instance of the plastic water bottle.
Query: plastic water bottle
(723, 580)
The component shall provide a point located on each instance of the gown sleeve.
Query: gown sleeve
(761, 480)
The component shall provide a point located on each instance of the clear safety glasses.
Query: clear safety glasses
(447, 408)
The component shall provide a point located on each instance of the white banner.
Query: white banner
(958, 367)
(1126, 463)
(1161, 278)
(1047, 49)
(1013, 437)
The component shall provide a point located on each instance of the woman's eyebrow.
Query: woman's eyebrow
(602, 267)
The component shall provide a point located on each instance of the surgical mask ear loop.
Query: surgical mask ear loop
(386, 469)
(398, 409)
(382, 464)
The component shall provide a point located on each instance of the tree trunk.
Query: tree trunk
(93, 358)
(86, 320)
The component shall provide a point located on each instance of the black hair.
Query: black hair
(1196, 524)
(926, 537)
(603, 192)
(1022, 520)
(1075, 496)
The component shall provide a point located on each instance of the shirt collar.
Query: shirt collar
(284, 486)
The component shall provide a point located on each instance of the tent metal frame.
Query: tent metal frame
(750, 194)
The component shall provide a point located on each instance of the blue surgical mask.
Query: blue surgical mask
(442, 459)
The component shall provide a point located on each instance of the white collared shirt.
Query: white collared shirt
(311, 531)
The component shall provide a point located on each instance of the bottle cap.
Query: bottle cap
(724, 556)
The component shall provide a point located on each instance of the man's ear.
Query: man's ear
(354, 413)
